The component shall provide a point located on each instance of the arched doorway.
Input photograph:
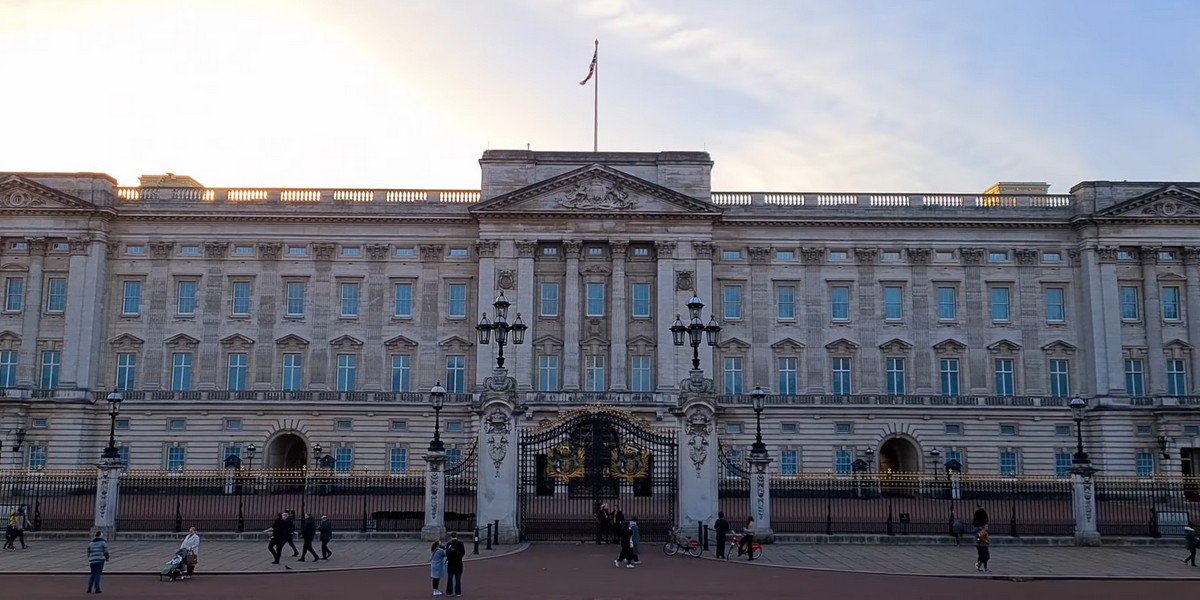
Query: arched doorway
(287, 451)
(899, 455)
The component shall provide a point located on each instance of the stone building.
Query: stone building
(906, 328)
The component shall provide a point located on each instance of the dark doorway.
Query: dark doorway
(287, 451)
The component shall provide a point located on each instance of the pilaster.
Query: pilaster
(435, 497)
(619, 317)
(1156, 362)
(758, 308)
(572, 319)
(666, 309)
(27, 369)
(1192, 271)
(486, 294)
(526, 305)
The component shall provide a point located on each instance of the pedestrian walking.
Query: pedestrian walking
(326, 529)
(308, 532)
(722, 529)
(980, 518)
(625, 538)
(17, 522)
(97, 553)
(191, 543)
(455, 551)
(291, 541)
(279, 532)
(603, 526)
(1192, 542)
(983, 550)
(635, 541)
(437, 566)
(618, 521)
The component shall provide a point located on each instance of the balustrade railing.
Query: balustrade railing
(892, 200)
(583, 398)
(134, 195)
(279, 396)
(889, 400)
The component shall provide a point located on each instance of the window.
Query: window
(343, 459)
(953, 429)
(1166, 255)
(8, 368)
(1009, 465)
(233, 425)
(41, 423)
(349, 295)
(735, 461)
(297, 250)
(788, 463)
(347, 372)
(176, 458)
(1000, 306)
(1062, 464)
(840, 303)
(51, 368)
(456, 374)
(842, 461)
(1177, 377)
(177, 424)
(550, 251)
(732, 301)
(459, 253)
(733, 375)
(1005, 378)
(1008, 430)
(293, 371)
(891, 256)
(243, 250)
(594, 374)
(893, 303)
(548, 373)
(1135, 380)
(731, 255)
(185, 302)
(785, 255)
(1062, 430)
(1130, 311)
(126, 370)
(453, 455)
(398, 462)
(641, 251)
(181, 371)
(454, 426)
(56, 295)
(1170, 303)
(641, 300)
(458, 301)
(241, 298)
(1055, 309)
(401, 372)
(295, 299)
(788, 381)
(785, 301)
(895, 376)
(37, 457)
(947, 303)
(789, 428)
(135, 250)
(838, 255)
(1191, 430)
(404, 300)
(1145, 463)
(344, 425)
(356, 251)
(841, 376)
(399, 425)
(641, 373)
(123, 452)
(1144, 430)
(1060, 378)
(843, 428)
(14, 294)
(549, 304)
(237, 371)
(1052, 257)
(595, 251)
(595, 299)
(997, 256)
(132, 298)
(189, 250)
(406, 252)
(733, 428)
(948, 376)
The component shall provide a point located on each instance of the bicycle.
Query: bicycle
(734, 541)
(688, 546)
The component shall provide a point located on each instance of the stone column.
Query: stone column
(1083, 495)
(1030, 318)
(376, 375)
(29, 361)
(975, 320)
(208, 365)
(572, 319)
(666, 309)
(1192, 268)
(435, 497)
(108, 486)
(498, 456)
(1156, 362)
(620, 318)
(429, 316)
(869, 370)
(265, 356)
(326, 307)
(815, 317)
(1109, 302)
(78, 357)
(487, 294)
(760, 498)
(758, 306)
(527, 291)
(703, 251)
(697, 452)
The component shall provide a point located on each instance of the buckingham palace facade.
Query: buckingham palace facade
(911, 328)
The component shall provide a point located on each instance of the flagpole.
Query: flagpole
(596, 103)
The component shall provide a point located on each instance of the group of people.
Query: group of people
(17, 522)
(721, 527)
(446, 561)
(283, 532)
(98, 556)
(612, 527)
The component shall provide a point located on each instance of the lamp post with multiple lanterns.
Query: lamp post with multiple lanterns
(500, 328)
(692, 333)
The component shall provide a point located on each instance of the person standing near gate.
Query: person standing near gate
(635, 541)
(983, 549)
(455, 551)
(279, 532)
(97, 553)
(1192, 542)
(308, 531)
(326, 529)
(437, 566)
(980, 518)
(603, 526)
(291, 523)
(618, 522)
(192, 543)
(625, 538)
(17, 522)
(722, 529)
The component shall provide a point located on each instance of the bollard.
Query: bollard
(699, 533)
(497, 532)
(476, 550)
(489, 536)
(706, 537)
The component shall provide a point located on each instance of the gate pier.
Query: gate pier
(497, 491)
(698, 494)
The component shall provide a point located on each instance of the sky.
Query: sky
(788, 96)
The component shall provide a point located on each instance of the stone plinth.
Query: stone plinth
(1083, 495)
(435, 497)
(760, 497)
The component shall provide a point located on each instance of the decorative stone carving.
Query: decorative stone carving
(699, 426)
(111, 250)
(1107, 254)
(695, 386)
(618, 248)
(971, 256)
(506, 279)
(79, 245)
(526, 248)
(500, 384)
(665, 249)
(161, 249)
(812, 256)
(595, 269)
(1149, 254)
(1191, 254)
(21, 199)
(759, 255)
(1026, 256)
(918, 256)
(1073, 254)
(1171, 208)
(572, 249)
(215, 249)
(323, 251)
(597, 194)
(704, 250)
(377, 252)
(270, 250)
(432, 252)
(866, 256)
(497, 426)
(684, 281)
(486, 248)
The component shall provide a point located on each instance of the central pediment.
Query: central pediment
(595, 190)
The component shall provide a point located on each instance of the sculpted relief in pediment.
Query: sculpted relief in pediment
(1171, 208)
(596, 194)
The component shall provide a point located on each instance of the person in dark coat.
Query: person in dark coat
(1192, 542)
(279, 532)
(722, 529)
(618, 521)
(980, 518)
(626, 540)
(455, 551)
(603, 524)
(291, 522)
(326, 529)
(308, 531)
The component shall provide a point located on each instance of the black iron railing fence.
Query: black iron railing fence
(1146, 506)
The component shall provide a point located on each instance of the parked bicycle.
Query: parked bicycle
(755, 548)
(686, 545)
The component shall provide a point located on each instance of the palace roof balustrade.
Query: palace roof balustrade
(269, 396)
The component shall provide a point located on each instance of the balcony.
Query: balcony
(608, 398)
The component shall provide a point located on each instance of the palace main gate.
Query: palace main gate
(591, 456)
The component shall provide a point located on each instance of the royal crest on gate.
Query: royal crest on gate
(565, 462)
(629, 462)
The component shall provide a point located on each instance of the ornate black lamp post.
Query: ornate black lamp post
(1077, 407)
(19, 435)
(251, 450)
(114, 408)
(758, 450)
(1162, 447)
(695, 329)
(501, 327)
(870, 457)
(317, 449)
(437, 396)
(934, 456)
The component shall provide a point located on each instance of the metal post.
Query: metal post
(476, 549)
(700, 532)
(489, 536)
(705, 537)
(496, 532)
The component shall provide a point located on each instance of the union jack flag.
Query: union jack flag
(592, 68)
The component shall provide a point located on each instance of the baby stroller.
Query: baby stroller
(173, 569)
